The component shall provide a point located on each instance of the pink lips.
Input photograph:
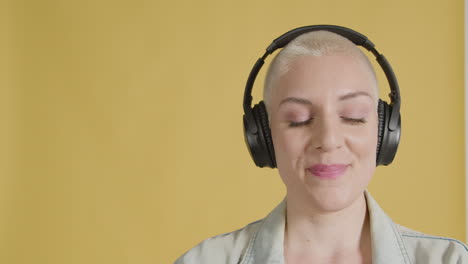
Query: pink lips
(331, 171)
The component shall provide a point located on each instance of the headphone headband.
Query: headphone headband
(356, 37)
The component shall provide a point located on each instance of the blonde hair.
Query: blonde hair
(315, 43)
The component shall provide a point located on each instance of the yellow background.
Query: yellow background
(121, 121)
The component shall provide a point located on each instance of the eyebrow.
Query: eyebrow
(303, 101)
(295, 100)
(353, 95)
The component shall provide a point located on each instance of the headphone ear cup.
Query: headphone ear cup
(261, 115)
(258, 137)
(388, 140)
(265, 139)
(381, 113)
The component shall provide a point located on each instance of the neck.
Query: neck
(327, 234)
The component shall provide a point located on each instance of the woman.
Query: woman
(322, 104)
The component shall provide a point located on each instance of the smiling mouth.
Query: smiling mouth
(331, 171)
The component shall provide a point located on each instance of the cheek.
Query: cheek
(364, 147)
(285, 147)
(289, 147)
(364, 144)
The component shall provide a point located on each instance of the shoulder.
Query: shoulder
(225, 248)
(423, 248)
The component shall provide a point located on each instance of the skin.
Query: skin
(323, 111)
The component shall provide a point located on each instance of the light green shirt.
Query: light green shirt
(261, 242)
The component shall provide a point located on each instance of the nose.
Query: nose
(327, 135)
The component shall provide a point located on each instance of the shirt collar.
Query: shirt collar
(387, 243)
(266, 245)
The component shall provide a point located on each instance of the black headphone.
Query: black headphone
(256, 127)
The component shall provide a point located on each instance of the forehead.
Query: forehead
(316, 77)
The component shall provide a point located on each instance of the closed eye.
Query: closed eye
(302, 123)
(348, 120)
(353, 121)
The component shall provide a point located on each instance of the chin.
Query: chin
(331, 199)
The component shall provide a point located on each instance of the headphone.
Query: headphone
(257, 132)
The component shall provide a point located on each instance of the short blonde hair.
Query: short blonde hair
(315, 43)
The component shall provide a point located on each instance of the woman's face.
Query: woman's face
(324, 122)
